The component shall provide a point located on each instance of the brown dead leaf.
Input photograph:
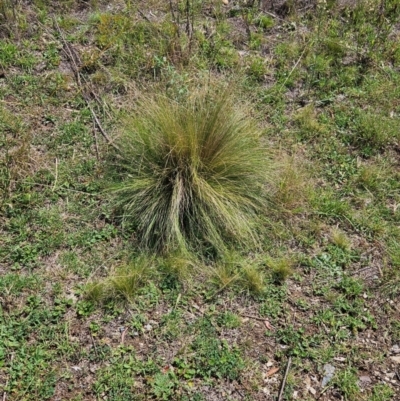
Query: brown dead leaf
(271, 372)
(268, 325)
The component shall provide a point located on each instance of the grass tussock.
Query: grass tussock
(123, 284)
(191, 174)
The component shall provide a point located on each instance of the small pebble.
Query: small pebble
(395, 349)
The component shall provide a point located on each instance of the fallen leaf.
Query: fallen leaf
(271, 372)
(329, 371)
(268, 325)
(365, 379)
(395, 359)
(340, 359)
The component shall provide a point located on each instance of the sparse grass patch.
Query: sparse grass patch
(291, 186)
(347, 382)
(307, 121)
(372, 133)
(124, 283)
(381, 392)
(210, 357)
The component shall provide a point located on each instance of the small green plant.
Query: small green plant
(265, 22)
(257, 68)
(391, 278)
(291, 188)
(163, 385)
(381, 392)
(307, 120)
(347, 382)
(176, 268)
(229, 320)
(210, 357)
(191, 174)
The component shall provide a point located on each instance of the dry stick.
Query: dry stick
(70, 55)
(73, 58)
(294, 67)
(175, 18)
(324, 391)
(272, 15)
(224, 286)
(101, 103)
(95, 140)
(94, 345)
(123, 336)
(261, 319)
(99, 124)
(56, 177)
(284, 379)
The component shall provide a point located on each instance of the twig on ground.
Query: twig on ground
(324, 391)
(178, 298)
(94, 345)
(294, 67)
(56, 177)
(284, 379)
(123, 336)
(99, 124)
(261, 319)
(75, 62)
(272, 15)
(225, 285)
(95, 139)
(267, 323)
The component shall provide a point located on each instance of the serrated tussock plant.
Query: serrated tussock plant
(191, 174)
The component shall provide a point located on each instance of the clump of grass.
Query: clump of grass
(226, 273)
(191, 174)
(307, 120)
(281, 268)
(177, 267)
(253, 279)
(340, 239)
(124, 284)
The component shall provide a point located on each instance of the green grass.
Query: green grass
(301, 261)
(191, 174)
